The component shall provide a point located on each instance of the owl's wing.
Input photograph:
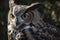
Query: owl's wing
(48, 32)
(41, 30)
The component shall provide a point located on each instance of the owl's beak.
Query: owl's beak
(20, 25)
(19, 21)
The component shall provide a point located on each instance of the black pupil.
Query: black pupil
(12, 15)
(24, 15)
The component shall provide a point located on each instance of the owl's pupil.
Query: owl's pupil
(24, 16)
(12, 16)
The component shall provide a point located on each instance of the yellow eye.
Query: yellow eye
(27, 17)
(24, 16)
(12, 16)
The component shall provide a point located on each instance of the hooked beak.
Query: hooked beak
(19, 22)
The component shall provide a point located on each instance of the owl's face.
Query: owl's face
(21, 15)
(18, 17)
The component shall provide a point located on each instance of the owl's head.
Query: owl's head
(21, 15)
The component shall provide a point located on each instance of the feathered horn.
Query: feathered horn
(34, 6)
(11, 3)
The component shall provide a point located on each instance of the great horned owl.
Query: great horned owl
(22, 17)
(24, 21)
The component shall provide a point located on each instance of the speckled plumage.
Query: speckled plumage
(30, 28)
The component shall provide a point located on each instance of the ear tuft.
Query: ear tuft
(11, 3)
(34, 6)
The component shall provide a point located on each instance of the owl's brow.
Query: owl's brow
(26, 11)
(20, 12)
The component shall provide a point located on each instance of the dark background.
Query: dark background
(50, 13)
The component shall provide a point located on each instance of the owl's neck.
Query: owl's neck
(10, 27)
